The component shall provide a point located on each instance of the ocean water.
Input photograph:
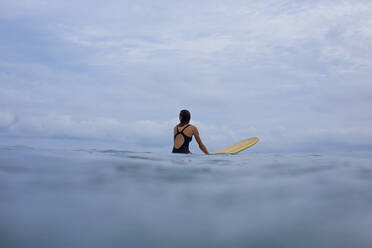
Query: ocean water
(111, 198)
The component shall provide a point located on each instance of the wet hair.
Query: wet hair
(185, 117)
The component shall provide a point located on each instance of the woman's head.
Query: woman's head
(184, 116)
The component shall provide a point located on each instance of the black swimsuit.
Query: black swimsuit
(185, 146)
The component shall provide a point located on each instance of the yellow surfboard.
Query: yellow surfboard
(237, 147)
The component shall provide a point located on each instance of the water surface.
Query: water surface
(110, 198)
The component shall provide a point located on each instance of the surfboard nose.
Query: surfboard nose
(237, 147)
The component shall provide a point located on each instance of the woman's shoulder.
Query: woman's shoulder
(188, 126)
(193, 127)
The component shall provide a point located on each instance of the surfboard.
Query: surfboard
(237, 147)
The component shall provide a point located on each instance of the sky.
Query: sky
(115, 74)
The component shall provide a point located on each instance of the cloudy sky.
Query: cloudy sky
(297, 74)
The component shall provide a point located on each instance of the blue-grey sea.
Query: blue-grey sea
(112, 198)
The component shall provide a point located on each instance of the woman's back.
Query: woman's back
(182, 138)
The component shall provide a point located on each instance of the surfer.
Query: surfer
(183, 133)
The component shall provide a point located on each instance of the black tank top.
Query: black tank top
(185, 146)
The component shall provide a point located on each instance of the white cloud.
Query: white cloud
(6, 119)
(121, 70)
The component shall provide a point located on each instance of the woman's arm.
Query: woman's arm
(201, 145)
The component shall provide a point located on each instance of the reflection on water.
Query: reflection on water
(92, 198)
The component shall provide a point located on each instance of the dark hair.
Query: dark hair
(185, 117)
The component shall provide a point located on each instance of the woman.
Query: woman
(183, 133)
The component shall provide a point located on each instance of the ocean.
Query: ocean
(60, 198)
